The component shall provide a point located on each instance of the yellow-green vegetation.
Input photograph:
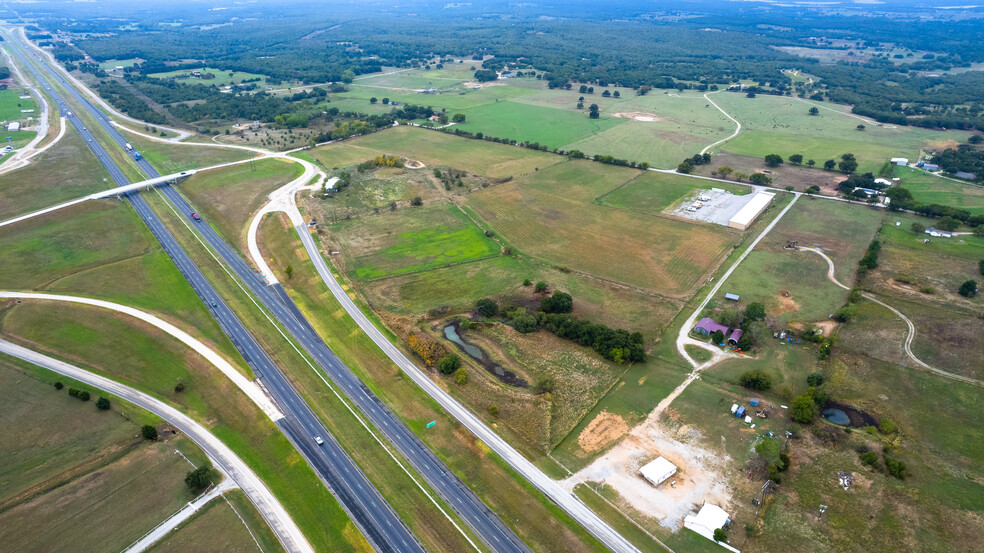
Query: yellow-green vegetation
(63, 172)
(537, 521)
(218, 528)
(782, 125)
(927, 188)
(227, 197)
(104, 486)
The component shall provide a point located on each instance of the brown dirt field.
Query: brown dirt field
(638, 116)
(603, 430)
(826, 326)
(800, 177)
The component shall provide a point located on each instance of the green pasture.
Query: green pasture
(653, 192)
(109, 65)
(171, 158)
(222, 77)
(927, 188)
(423, 238)
(782, 125)
(11, 105)
(523, 122)
(452, 99)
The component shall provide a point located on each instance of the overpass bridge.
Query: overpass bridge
(122, 190)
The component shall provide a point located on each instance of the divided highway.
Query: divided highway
(368, 510)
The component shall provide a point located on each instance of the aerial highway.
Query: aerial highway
(274, 298)
(367, 509)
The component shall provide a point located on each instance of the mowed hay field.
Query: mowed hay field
(653, 192)
(781, 125)
(552, 215)
(218, 529)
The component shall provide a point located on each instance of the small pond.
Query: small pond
(844, 415)
(476, 353)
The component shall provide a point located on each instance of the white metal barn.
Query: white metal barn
(658, 471)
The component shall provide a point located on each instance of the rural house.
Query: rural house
(707, 326)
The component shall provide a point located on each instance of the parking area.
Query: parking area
(710, 206)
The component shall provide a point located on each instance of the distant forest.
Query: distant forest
(696, 45)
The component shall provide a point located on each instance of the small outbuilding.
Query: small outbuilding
(732, 297)
(965, 175)
(707, 520)
(658, 471)
(900, 161)
(931, 167)
(939, 233)
(12, 127)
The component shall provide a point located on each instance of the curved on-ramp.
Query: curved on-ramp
(266, 503)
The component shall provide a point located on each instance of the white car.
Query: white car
(319, 440)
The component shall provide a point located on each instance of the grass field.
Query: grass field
(222, 77)
(653, 192)
(414, 240)
(64, 172)
(781, 125)
(217, 528)
(931, 189)
(454, 99)
(11, 106)
(101, 469)
(109, 65)
(227, 197)
(174, 158)
(552, 215)
(555, 128)
(544, 527)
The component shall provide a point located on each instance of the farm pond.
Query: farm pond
(842, 415)
(478, 354)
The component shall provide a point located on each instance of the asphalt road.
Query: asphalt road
(368, 510)
(223, 457)
(468, 506)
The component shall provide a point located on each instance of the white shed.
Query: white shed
(658, 471)
(901, 161)
(707, 520)
(15, 126)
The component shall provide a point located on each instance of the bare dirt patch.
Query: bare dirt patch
(826, 326)
(603, 430)
(643, 116)
(786, 302)
(800, 177)
(475, 84)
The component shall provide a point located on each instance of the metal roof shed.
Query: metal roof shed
(707, 520)
(732, 297)
(657, 471)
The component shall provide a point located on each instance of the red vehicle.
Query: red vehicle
(195, 216)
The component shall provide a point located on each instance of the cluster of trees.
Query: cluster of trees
(127, 102)
(773, 458)
(200, 479)
(948, 216)
(486, 75)
(430, 351)
(450, 177)
(687, 166)
(965, 158)
(81, 395)
(380, 161)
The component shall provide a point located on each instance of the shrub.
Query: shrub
(416, 201)
(896, 468)
(730, 318)
(461, 376)
(527, 282)
(59, 385)
(927, 289)
(755, 311)
(784, 462)
(757, 380)
(918, 228)
(717, 337)
(102, 404)
(720, 535)
(804, 409)
(968, 289)
(179, 387)
(427, 349)
(449, 363)
(543, 384)
(540, 287)
(846, 313)
(199, 479)
(494, 410)
(814, 379)
(149, 432)
(869, 458)
(887, 426)
(487, 307)
(524, 323)
(559, 302)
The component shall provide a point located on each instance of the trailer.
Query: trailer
(128, 147)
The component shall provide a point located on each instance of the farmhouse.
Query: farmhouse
(939, 233)
(868, 192)
(707, 520)
(747, 214)
(707, 326)
(657, 471)
(900, 161)
(884, 182)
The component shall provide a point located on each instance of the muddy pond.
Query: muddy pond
(842, 415)
(478, 354)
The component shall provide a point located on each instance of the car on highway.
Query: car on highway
(319, 440)
(195, 216)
